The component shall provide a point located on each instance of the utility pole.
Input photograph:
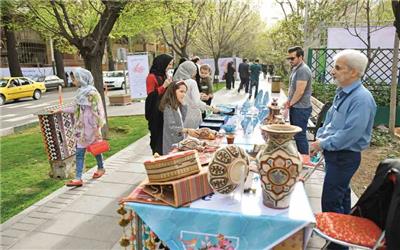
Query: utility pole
(393, 89)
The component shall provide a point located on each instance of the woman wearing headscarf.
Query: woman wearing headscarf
(89, 119)
(186, 72)
(156, 84)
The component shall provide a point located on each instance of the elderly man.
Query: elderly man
(346, 131)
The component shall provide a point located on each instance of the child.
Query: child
(174, 113)
(206, 87)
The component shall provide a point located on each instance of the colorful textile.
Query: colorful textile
(347, 228)
(226, 226)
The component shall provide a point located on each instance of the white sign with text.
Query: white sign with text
(138, 69)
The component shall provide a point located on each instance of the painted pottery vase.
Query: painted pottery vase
(228, 168)
(279, 164)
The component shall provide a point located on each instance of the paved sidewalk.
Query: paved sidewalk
(86, 218)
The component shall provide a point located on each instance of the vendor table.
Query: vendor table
(231, 222)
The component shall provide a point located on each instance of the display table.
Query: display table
(231, 222)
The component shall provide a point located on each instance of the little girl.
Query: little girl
(174, 114)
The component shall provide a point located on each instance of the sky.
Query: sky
(270, 11)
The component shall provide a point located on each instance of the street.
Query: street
(17, 113)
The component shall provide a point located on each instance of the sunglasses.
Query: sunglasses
(290, 58)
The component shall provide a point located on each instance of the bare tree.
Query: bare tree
(393, 89)
(178, 36)
(363, 15)
(224, 27)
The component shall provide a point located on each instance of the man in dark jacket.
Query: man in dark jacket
(244, 74)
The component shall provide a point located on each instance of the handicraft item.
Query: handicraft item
(228, 168)
(279, 164)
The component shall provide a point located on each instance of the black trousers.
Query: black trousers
(244, 83)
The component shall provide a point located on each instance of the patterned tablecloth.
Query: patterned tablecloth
(229, 222)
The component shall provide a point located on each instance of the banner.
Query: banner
(138, 69)
(222, 64)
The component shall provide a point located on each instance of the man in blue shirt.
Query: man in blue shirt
(346, 131)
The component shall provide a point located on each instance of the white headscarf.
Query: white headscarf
(185, 71)
(85, 79)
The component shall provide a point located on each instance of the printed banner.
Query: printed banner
(138, 69)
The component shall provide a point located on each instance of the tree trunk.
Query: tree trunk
(183, 52)
(58, 58)
(12, 54)
(93, 64)
(216, 73)
(111, 63)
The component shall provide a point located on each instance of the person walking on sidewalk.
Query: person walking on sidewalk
(244, 74)
(299, 99)
(346, 131)
(255, 70)
(230, 75)
(89, 119)
(156, 84)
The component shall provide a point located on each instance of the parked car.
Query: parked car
(51, 82)
(115, 79)
(13, 88)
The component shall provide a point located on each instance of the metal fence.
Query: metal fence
(320, 61)
(377, 78)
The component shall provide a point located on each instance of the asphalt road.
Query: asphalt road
(17, 113)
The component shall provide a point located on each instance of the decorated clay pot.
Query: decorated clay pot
(228, 168)
(279, 164)
(191, 143)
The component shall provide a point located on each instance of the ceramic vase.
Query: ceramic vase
(279, 164)
(228, 169)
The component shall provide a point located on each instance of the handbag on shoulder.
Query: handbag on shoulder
(98, 147)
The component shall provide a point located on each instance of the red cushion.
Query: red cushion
(348, 228)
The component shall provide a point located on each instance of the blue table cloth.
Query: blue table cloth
(228, 221)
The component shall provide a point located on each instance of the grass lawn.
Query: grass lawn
(218, 86)
(24, 169)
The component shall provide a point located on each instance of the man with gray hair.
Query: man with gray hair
(346, 131)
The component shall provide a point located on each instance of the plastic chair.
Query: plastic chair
(368, 226)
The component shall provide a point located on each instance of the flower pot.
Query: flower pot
(121, 99)
(279, 164)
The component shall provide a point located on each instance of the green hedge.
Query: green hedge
(380, 92)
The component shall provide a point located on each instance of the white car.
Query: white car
(115, 79)
(51, 82)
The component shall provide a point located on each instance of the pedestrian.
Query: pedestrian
(66, 80)
(174, 112)
(255, 70)
(196, 61)
(187, 72)
(230, 75)
(156, 84)
(89, 119)
(244, 74)
(346, 131)
(299, 98)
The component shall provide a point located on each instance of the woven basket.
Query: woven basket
(173, 166)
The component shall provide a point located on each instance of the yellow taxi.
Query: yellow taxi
(12, 88)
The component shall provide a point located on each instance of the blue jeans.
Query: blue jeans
(80, 160)
(340, 167)
(299, 117)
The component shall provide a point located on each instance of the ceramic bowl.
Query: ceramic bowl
(228, 168)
